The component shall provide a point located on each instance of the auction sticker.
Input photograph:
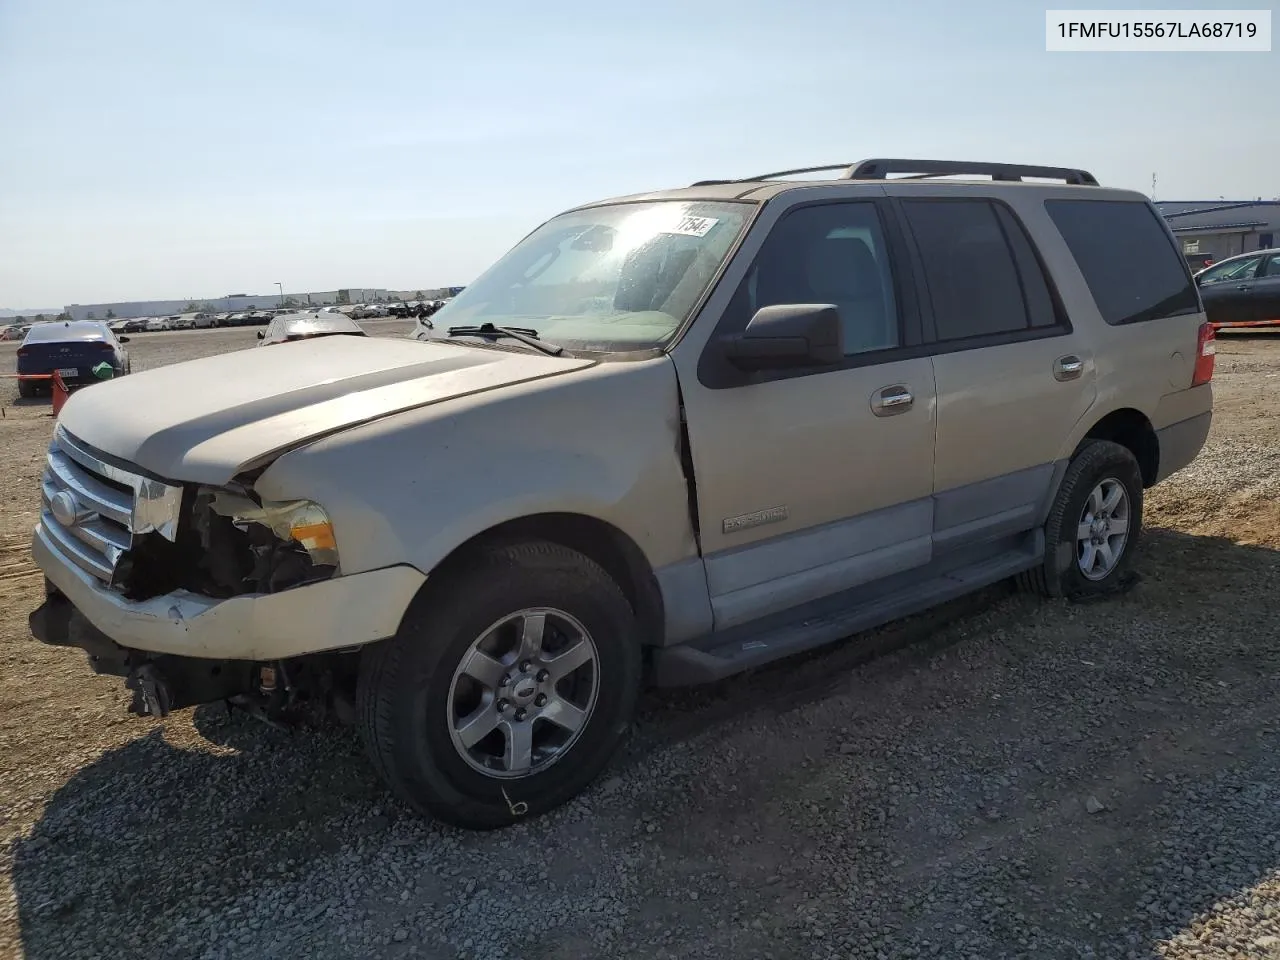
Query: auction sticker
(694, 226)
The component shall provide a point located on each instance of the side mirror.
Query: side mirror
(123, 339)
(788, 335)
(261, 334)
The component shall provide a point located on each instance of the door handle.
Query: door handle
(1244, 286)
(888, 401)
(1068, 368)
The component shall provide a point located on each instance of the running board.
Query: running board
(687, 665)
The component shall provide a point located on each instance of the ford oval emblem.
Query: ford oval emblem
(64, 508)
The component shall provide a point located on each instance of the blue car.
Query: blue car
(72, 349)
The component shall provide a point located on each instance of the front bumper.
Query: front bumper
(343, 612)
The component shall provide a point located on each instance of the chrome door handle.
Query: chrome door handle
(888, 401)
(1244, 286)
(1068, 368)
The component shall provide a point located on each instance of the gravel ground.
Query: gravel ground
(1004, 777)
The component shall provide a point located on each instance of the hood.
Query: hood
(207, 420)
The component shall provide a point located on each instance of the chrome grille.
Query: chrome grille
(91, 510)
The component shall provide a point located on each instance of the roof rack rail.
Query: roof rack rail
(880, 169)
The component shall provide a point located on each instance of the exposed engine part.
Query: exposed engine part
(267, 681)
(227, 545)
(152, 695)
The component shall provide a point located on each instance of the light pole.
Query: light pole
(281, 286)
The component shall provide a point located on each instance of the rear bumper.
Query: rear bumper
(1181, 442)
(343, 612)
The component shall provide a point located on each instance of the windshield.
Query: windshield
(610, 278)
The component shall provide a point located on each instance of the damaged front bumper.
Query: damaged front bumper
(159, 683)
(344, 611)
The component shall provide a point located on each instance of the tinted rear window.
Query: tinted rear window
(1133, 269)
(63, 331)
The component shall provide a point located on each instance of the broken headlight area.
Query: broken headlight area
(231, 543)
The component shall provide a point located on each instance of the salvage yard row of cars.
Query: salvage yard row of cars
(198, 321)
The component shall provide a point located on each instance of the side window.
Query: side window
(1128, 259)
(829, 253)
(1235, 270)
(1272, 268)
(982, 274)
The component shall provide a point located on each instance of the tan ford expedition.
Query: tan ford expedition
(675, 435)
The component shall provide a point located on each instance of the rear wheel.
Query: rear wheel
(1094, 524)
(26, 389)
(507, 688)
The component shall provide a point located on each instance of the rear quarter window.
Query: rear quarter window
(1132, 267)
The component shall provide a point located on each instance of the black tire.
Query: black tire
(26, 389)
(1095, 462)
(404, 683)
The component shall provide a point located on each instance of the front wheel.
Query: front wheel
(1094, 524)
(507, 688)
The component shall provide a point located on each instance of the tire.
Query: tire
(1097, 465)
(26, 389)
(411, 686)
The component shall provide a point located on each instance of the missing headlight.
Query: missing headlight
(231, 544)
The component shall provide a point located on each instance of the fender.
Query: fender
(602, 442)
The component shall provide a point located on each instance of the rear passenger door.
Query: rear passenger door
(1012, 376)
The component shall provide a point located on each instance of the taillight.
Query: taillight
(24, 352)
(1206, 350)
(103, 345)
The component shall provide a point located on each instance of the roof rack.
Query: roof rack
(880, 169)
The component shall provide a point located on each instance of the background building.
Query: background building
(1217, 229)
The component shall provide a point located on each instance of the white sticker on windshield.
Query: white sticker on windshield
(694, 226)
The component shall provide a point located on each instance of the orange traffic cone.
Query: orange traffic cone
(59, 393)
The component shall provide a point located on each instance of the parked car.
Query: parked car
(183, 323)
(159, 323)
(117, 326)
(306, 326)
(1243, 291)
(203, 321)
(136, 324)
(746, 419)
(71, 349)
(237, 319)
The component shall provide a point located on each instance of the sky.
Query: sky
(155, 149)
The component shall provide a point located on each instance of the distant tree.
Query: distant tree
(291, 302)
(41, 318)
(417, 295)
(19, 319)
(191, 307)
(91, 315)
(64, 318)
(111, 314)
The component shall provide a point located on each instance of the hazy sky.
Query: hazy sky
(164, 148)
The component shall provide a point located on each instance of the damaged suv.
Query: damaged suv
(676, 436)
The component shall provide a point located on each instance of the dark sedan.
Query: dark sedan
(305, 326)
(1243, 291)
(73, 349)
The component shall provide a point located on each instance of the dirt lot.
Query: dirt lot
(1003, 778)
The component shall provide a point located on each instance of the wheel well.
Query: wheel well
(604, 543)
(1130, 428)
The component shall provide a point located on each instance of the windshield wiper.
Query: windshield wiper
(525, 335)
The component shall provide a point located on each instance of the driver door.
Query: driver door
(814, 481)
(1227, 290)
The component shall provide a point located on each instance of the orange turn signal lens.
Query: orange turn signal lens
(315, 536)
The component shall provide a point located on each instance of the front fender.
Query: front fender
(601, 442)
